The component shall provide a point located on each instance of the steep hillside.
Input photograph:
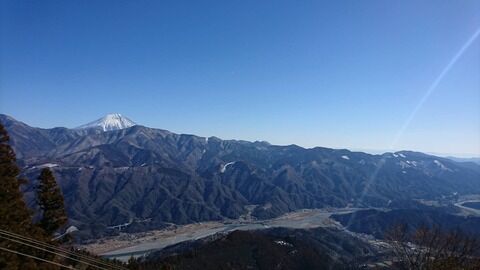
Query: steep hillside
(377, 223)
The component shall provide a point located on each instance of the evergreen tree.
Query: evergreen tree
(15, 217)
(50, 200)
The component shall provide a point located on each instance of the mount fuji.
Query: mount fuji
(113, 121)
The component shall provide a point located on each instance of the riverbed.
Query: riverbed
(124, 246)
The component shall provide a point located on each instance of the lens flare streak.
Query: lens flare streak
(419, 105)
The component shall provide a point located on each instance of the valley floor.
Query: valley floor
(125, 245)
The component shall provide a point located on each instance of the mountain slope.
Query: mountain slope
(265, 249)
(377, 223)
(153, 176)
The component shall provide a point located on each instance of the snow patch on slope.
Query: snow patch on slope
(443, 167)
(283, 243)
(46, 165)
(224, 167)
(404, 164)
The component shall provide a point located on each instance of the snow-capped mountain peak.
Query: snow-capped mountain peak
(113, 121)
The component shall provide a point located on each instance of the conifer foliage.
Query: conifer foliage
(50, 200)
(14, 215)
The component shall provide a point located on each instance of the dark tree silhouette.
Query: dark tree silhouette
(50, 200)
(14, 214)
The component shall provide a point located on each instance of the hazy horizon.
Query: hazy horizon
(371, 75)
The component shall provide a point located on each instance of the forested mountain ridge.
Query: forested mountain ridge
(146, 176)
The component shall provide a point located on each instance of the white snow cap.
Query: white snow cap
(113, 121)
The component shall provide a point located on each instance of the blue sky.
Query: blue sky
(343, 74)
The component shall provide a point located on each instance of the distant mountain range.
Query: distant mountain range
(458, 159)
(113, 171)
(377, 223)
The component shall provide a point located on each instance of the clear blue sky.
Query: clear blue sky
(343, 74)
